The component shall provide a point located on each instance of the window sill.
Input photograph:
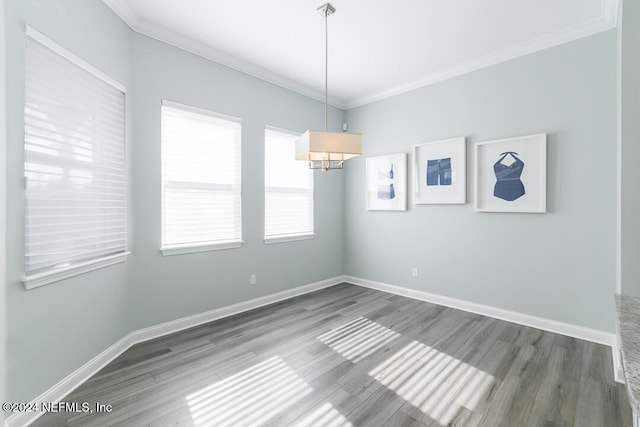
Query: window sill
(40, 279)
(291, 238)
(184, 249)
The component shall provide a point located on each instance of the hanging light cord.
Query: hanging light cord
(326, 68)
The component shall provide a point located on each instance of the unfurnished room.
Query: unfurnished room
(301, 213)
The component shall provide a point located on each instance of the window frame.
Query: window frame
(193, 247)
(56, 274)
(291, 237)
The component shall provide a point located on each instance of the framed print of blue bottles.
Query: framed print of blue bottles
(439, 172)
(511, 174)
(386, 182)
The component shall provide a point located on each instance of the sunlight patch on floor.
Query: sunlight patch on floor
(325, 416)
(248, 398)
(358, 338)
(430, 379)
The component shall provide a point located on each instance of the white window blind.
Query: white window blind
(288, 188)
(201, 191)
(75, 170)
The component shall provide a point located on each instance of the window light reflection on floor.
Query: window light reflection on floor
(325, 415)
(358, 338)
(432, 381)
(248, 398)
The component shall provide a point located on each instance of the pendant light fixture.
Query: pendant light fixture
(323, 149)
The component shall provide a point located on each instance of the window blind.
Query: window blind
(75, 170)
(201, 191)
(288, 187)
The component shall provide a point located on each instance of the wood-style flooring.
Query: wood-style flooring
(348, 355)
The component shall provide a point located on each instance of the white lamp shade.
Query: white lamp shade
(320, 145)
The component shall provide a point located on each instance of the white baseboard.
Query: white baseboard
(554, 326)
(618, 372)
(177, 325)
(58, 392)
(63, 388)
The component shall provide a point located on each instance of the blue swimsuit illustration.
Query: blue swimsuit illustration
(508, 187)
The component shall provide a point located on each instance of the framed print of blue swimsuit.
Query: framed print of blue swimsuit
(508, 186)
(511, 174)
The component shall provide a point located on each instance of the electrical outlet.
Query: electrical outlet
(253, 279)
(414, 272)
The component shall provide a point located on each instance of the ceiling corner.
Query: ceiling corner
(124, 12)
(611, 11)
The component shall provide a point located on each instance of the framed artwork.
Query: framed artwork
(511, 174)
(386, 182)
(439, 172)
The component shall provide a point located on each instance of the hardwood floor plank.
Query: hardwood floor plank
(462, 416)
(529, 378)
(400, 419)
(501, 403)
(376, 410)
(487, 376)
(598, 401)
(625, 413)
(556, 400)
(318, 405)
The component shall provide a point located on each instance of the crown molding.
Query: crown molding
(607, 20)
(190, 45)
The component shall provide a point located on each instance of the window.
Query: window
(75, 170)
(201, 200)
(288, 189)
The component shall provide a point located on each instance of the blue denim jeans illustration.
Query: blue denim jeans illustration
(439, 171)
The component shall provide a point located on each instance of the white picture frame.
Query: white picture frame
(440, 172)
(386, 182)
(511, 174)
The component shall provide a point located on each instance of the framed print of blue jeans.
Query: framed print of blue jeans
(439, 171)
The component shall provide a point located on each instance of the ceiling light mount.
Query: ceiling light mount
(326, 10)
(327, 150)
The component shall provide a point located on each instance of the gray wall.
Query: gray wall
(630, 151)
(559, 265)
(3, 205)
(165, 288)
(55, 329)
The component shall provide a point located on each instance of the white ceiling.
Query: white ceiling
(376, 48)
